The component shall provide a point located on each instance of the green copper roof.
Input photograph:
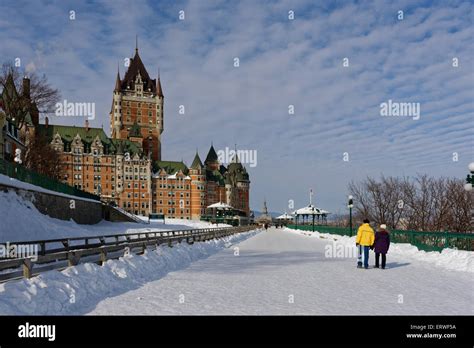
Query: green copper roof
(68, 133)
(122, 146)
(170, 167)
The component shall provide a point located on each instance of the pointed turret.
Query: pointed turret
(117, 82)
(136, 68)
(197, 164)
(235, 159)
(211, 156)
(159, 90)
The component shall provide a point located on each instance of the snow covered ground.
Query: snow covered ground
(456, 260)
(271, 272)
(21, 221)
(285, 272)
(78, 289)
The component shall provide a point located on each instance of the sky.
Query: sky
(333, 62)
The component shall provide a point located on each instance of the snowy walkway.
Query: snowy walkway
(277, 266)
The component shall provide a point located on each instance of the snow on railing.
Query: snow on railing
(65, 252)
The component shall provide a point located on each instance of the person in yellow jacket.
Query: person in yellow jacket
(365, 238)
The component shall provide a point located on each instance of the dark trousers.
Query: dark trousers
(384, 259)
(366, 256)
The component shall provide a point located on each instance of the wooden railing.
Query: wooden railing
(65, 252)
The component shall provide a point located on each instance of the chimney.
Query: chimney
(46, 122)
(26, 87)
(87, 125)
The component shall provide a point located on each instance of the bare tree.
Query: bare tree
(421, 203)
(41, 158)
(41, 92)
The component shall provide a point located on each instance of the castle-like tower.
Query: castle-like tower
(137, 108)
(126, 169)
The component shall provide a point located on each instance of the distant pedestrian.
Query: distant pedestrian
(365, 238)
(381, 245)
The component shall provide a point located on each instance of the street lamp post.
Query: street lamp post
(468, 187)
(350, 205)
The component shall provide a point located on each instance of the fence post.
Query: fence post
(43, 248)
(103, 256)
(27, 268)
(72, 259)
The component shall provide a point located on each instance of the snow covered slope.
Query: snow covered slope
(21, 221)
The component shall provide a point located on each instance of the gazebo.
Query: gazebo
(285, 218)
(311, 213)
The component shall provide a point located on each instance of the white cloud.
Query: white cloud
(282, 62)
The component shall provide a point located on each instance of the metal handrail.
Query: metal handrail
(73, 253)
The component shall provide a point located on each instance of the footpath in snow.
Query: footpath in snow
(286, 272)
(78, 289)
(271, 272)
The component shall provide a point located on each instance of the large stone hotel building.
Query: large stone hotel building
(126, 168)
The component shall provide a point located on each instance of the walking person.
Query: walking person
(365, 238)
(381, 245)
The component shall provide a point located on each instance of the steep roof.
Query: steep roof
(136, 67)
(197, 164)
(117, 82)
(159, 90)
(211, 155)
(222, 169)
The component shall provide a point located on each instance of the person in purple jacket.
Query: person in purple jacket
(381, 245)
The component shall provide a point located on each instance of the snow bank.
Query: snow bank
(77, 290)
(456, 260)
(21, 221)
